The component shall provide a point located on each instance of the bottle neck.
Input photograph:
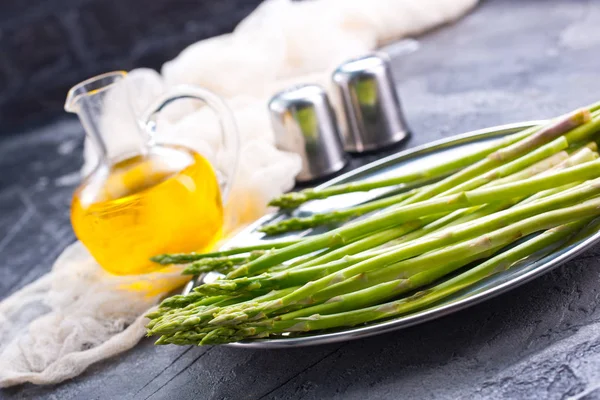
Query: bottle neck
(113, 128)
(105, 110)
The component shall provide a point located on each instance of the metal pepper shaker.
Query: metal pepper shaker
(371, 107)
(304, 123)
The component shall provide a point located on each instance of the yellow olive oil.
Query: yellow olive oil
(167, 201)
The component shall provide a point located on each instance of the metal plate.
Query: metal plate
(415, 158)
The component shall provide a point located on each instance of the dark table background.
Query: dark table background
(47, 46)
(508, 61)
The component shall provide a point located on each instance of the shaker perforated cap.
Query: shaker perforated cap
(304, 123)
(371, 107)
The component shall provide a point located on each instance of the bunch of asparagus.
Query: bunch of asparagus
(469, 218)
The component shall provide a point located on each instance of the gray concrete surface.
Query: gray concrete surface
(508, 61)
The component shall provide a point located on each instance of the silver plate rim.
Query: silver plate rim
(433, 312)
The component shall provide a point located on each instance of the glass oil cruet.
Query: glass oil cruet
(144, 198)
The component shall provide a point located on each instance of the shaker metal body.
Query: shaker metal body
(371, 107)
(304, 123)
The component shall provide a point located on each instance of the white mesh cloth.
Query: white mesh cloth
(77, 314)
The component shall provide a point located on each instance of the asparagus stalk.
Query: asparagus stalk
(366, 243)
(184, 258)
(310, 271)
(502, 171)
(164, 314)
(380, 269)
(297, 322)
(504, 260)
(397, 216)
(411, 230)
(353, 265)
(412, 227)
(222, 265)
(397, 236)
(379, 291)
(294, 199)
(556, 162)
(217, 261)
(582, 155)
(495, 154)
(293, 323)
(508, 153)
(332, 217)
(386, 290)
(181, 301)
(193, 316)
(217, 264)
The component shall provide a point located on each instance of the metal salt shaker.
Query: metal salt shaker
(371, 107)
(304, 123)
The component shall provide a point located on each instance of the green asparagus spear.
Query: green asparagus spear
(191, 317)
(385, 267)
(553, 163)
(291, 323)
(352, 265)
(530, 138)
(399, 215)
(362, 244)
(429, 224)
(332, 217)
(222, 265)
(185, 258)
(502, 171)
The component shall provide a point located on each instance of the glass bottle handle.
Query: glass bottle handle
(229, 132)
